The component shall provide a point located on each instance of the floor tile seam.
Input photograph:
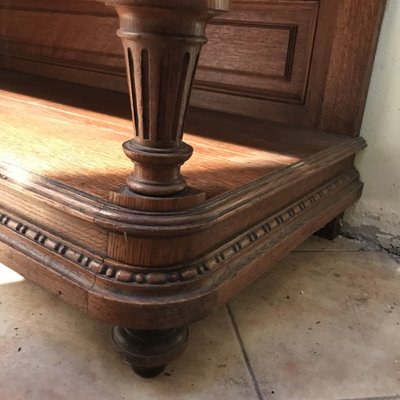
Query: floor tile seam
(331, 251)
(244, 353)
(393, 397)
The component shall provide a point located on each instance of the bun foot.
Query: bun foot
(332, 229)
(148, 373)
(150, 351)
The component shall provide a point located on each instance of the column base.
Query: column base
(157, 170)
(187, 198)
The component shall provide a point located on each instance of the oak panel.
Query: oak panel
(46, 38)
(315, 87)
(261, 49)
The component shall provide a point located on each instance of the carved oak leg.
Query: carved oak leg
(149, 351)
(162, 41)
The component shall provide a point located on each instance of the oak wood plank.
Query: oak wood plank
(82, 147)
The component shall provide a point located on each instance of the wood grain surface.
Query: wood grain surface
(66, 219)
(304, 62)
(82, 148)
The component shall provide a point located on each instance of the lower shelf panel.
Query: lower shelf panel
(177, 295)
(266, 188)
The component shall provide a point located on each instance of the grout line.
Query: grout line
(251, 371)
(328, 251)
(369, 244)
(245, 355)
(395, 397)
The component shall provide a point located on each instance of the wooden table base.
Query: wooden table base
(154, 249)
(148, 272)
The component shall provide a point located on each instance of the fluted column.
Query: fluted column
(162, 42)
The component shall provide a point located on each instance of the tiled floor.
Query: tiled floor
(324, 324)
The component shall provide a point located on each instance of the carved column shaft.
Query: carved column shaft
(162, 42)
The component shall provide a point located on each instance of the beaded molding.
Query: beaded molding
(210, 263)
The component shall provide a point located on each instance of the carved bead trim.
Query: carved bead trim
(184, 274)
(50, 244)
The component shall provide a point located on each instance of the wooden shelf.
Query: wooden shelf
(45, 130)
(269, 186)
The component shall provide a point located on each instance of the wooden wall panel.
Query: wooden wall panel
(68, 39)
(306, 110)
(351, 65)
(302, 62)
(82, 36)
(65, 36)
(261, 49)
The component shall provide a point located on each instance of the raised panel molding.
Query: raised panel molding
(276, 64)
(220, 58)
(239, 69)
(75, 7)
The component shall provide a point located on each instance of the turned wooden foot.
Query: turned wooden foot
(149, 351)
(332, 229)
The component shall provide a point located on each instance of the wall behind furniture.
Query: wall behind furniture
(377, 215)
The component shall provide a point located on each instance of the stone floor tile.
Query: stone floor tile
(49, 351)
(315, 243)
(324, 325)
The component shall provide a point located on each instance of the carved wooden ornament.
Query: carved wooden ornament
(162, 43)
